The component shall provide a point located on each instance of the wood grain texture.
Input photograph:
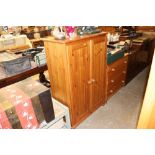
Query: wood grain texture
(147, 115)
(98, 72)
(78, 38)
(145, 28)
(73, 65)
(79, 73)
(55, 54)
(110, 29)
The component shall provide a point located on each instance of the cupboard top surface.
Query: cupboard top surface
(51, 39)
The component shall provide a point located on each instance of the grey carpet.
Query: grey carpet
(122, 110)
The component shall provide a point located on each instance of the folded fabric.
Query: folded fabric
(26, 105)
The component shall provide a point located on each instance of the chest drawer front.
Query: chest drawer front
(113, 89)
(115, 80)
(116, 75)
(117, 68)
(119, 65)
(114, 71)
(114, 84)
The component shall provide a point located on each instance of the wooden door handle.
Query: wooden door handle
(89, 82)
(93, 80)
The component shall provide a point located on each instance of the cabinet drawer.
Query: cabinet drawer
(112, 89)
(117, 68)
(117, 75)
(115, 80)
(115, 84)
(114, 71)
(118, 65)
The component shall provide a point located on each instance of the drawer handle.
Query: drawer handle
(111, 91)
(84, 44)
(112, 81)
(125, 62)
(124, 72)
(113, 69)
(123, 81)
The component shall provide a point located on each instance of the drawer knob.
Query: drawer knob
(125, 62)
(111, 91)
(124, 72)
(112, 81)
(113, 69)
(123, 81)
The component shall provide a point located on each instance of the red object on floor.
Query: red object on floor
(23, 106)
(4, 122)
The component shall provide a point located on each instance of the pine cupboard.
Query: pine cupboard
(77, 71)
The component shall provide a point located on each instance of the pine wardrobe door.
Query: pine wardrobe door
(98, 72)
(78, 56)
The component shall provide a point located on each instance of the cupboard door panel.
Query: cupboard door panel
(98, 62)
(55, 55)
(79, 75)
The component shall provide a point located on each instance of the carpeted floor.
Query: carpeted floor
(122, 110)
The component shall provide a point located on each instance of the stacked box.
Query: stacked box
(12, 42)
(9, 43)
(21, 40)
(40, 58)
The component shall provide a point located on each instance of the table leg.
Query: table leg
(43, 79)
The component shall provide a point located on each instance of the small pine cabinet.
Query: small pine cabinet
(77, 71)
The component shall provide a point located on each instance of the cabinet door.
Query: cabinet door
(78, 54)
(98, 72)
